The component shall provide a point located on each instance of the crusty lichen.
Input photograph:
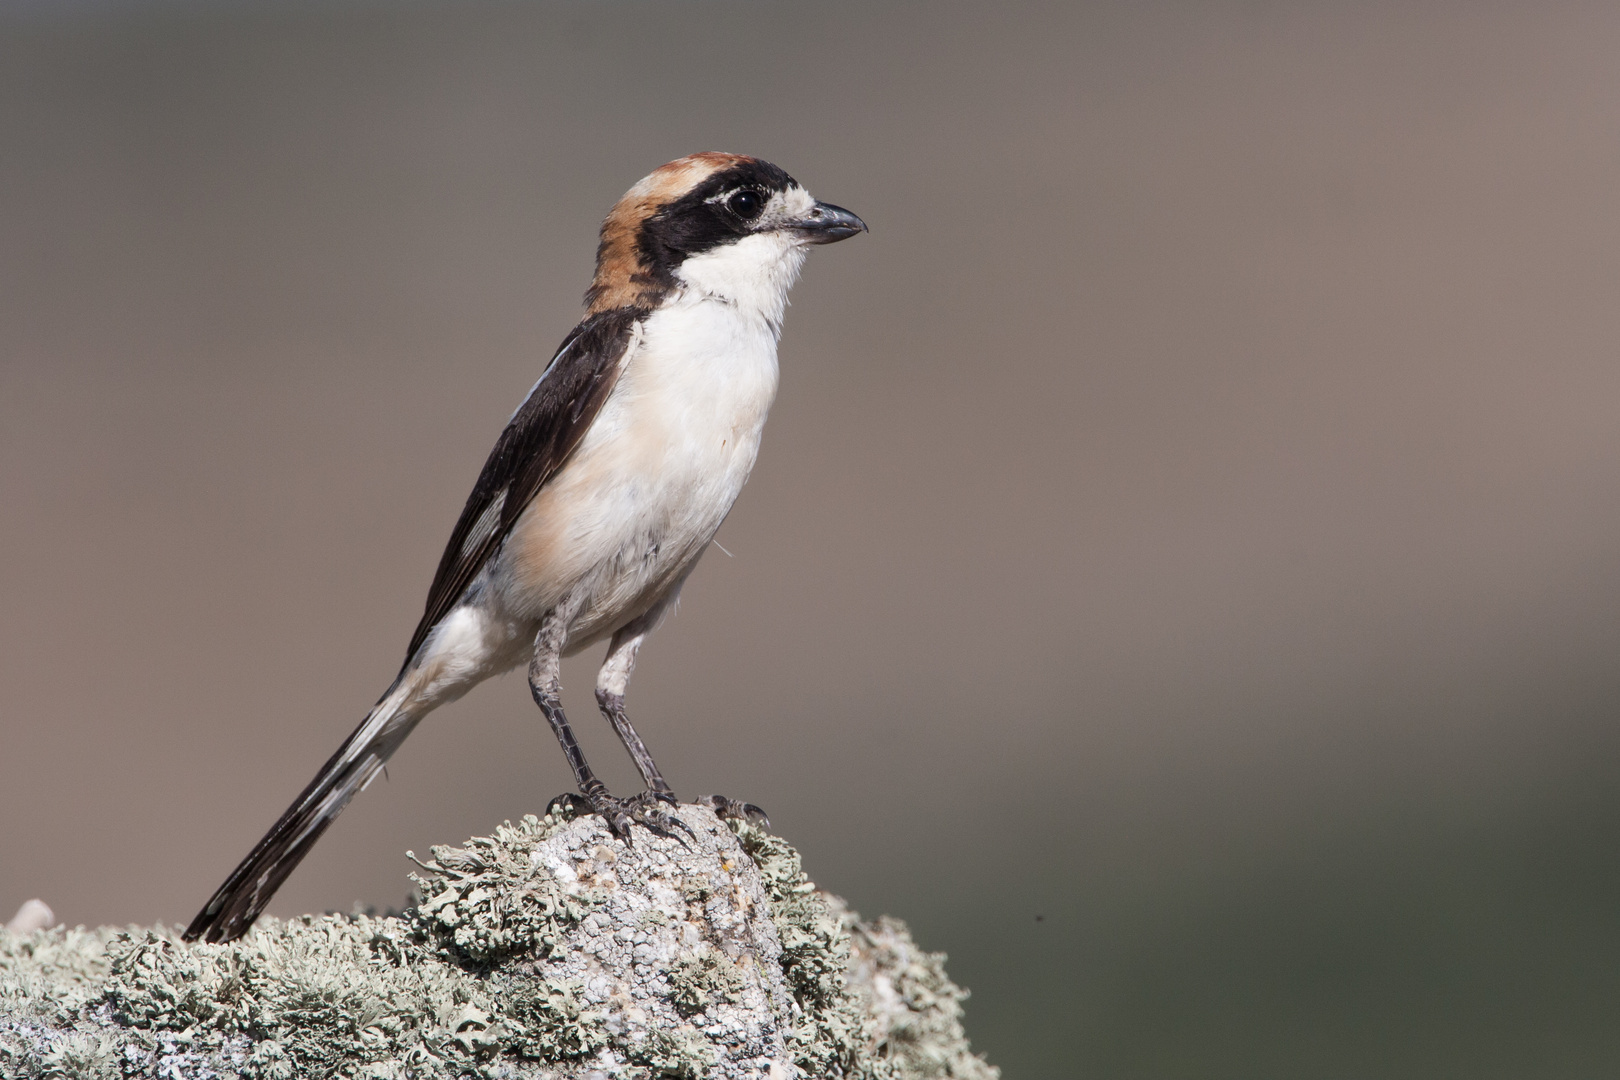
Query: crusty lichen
(873, 1004)
(484, 901)
(47, 980)
(357, 995)
(545, 950)
(912, 1011)
(828, 1037)
(703, 978)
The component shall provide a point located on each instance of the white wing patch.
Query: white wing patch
(562, 352)
(485, 526)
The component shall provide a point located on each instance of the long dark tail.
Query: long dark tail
(238, 902)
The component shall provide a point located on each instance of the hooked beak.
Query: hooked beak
(828, 224)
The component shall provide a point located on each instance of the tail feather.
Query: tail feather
(237, 903)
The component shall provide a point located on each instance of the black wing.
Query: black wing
(539, 438)
(536, 442)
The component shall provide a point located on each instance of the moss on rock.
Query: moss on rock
(545, 950)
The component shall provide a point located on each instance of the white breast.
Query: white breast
(656, 474)
(695, 397)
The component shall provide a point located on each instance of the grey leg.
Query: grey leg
(545, 683)
(611, 683)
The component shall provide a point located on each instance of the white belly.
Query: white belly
(647, 488)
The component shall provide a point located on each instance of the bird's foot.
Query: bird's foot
(731, 808)
(646, 810)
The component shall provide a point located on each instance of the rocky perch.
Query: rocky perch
(547, 950)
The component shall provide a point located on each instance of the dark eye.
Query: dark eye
(746, 204)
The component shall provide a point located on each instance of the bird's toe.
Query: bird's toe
(732, 808)
(568, 805)
(620, 815)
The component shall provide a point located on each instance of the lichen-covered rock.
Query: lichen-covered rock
(911, 1012)
(546, 950)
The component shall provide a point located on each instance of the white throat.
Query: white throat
(753, 275)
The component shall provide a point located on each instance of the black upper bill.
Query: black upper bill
(827, 224)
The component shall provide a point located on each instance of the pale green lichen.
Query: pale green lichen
(354, 995)
(913, 1011)
(50, 974)
(696, 982)
(679, 1054)
(469, 983)
(893, 1016)
(485, 901)
(828, 1038)
(47, 979)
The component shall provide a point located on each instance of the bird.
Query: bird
(602, 492)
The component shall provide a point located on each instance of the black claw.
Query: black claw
(731, 808)
(678, 823)
(620, 815)
(649, 811)
(570, 801)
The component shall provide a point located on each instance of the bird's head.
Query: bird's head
(722, 225)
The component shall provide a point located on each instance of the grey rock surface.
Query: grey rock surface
(548, 949)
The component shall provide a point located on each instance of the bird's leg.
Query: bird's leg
(611, 683)
(545, 683)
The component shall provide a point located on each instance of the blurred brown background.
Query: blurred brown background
(1180, 577)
